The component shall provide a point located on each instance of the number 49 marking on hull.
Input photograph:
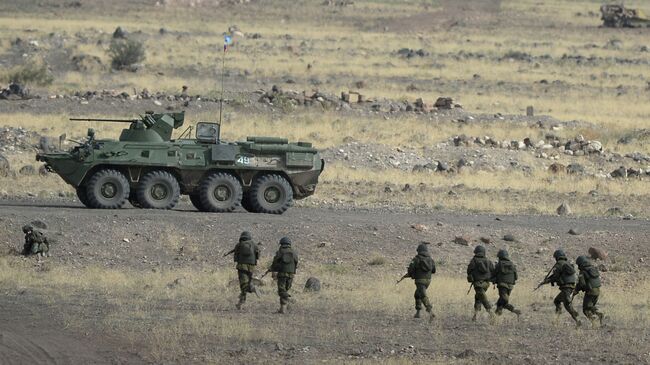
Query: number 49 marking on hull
(244, 160)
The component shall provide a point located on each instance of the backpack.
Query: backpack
(506, 272)
(246, 253)
(286, 261)
(425, 265)
(567, 274)
(592, 277)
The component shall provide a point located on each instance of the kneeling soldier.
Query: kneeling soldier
(480, 272)
(589, 282)
(505, 277)
(35, 242)
(420, 270)
(285, 264)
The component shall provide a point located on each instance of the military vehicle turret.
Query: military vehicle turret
(148, 168)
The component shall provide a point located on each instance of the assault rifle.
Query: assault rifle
(402, 278)
(470, 288)
(545, 278)
(229, 252)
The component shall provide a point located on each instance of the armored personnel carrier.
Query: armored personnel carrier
(151, 170)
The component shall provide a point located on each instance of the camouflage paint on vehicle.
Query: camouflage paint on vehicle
(149, 169)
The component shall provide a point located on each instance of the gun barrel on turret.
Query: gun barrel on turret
(103, 120)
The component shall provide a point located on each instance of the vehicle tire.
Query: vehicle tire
(271, 194)
(83, 197)
(133, 199)
(220, 192)
(158, 190)
(107, 189)
(196, 201)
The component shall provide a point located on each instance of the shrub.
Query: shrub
(35, 72)
(125, 53)
(378, 260)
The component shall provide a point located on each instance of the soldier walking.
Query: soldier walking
(246, 255)
(505, 277)
(480, 272)
(35, 242)
(420, 270)
(589, 282)
(564, 275)
(285, 264)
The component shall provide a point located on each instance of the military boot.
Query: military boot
(431, 315)
(498, 311)
(517, 312)
(240, 303)
(600, 317)
(474, 316)
(417, 313)
(281, 310)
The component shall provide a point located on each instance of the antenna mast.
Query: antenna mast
(226, 41)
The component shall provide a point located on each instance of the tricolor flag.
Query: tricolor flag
(227, 40)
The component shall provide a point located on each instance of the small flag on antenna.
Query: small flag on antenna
(227, 40)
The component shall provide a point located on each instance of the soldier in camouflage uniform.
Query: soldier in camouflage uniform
(35, 242)
(564, 275)
(505, 277)
(246, 255)
(285, 264)
(480, 272)
(589, 282)
(420, 270)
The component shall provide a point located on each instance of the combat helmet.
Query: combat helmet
(423, 248)
(27, 228)
(245, 236)
(502, 254)
(285, 241)
(479, 249)
(558, 254)
(582, 261)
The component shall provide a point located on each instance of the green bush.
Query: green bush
(125, 53)
(35, 72)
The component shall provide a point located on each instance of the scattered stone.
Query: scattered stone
(27, 170)
(614, 211)
(575, 168)
(574, 232)
(312, 285)
(39, 224)
(557, 168)
(597, 253)
(5, 167)
(462, 240)
(620, 172)
(628, 217)
(325, 244)
(14, 91)
(467, 353)
(486, 240)
(419, 227)
(442, 166)
(42, 170)
(603, 268)
(509, 237)
(47, 144)
(564, 209)
(119, 33)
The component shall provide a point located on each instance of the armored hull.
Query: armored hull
(150, 170)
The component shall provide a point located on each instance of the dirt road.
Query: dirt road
(183, 239)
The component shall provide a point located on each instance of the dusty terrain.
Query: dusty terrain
(152, 286)
(403, 166)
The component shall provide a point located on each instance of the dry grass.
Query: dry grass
(184, 319)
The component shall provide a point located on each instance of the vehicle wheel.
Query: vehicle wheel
(107, 189)
(133, 199)
(196, 201)
(158, 190)
(271, 194)
(246, 202)
(220, 192)
(83, 197)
